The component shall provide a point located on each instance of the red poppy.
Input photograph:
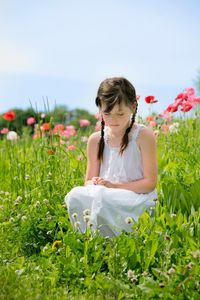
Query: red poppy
(172, 107)
(9, 116)
(150, 99)
(186, 107)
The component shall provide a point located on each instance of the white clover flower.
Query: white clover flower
(86, 219)
(49, 232)
(74, 215)
(173, 216)
(129, 220)
(77, 224)
(6, 193)
(131, 275)
(171, 271)
(11, 219)
(86, 212)
(27, 177)
(46, 201)
(196, 254)
(45, 248)
(19, 272)
(82, 259)
(37, 204)
(24, 218)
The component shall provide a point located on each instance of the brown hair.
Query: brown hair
(114, 91)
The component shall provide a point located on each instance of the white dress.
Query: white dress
(110, 207)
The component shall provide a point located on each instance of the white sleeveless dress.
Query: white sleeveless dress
(110, 207)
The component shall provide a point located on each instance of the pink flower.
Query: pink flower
(69, 131)
(190, 91)
(150, 99)
(152, 123)
(164, 127)
(71, 148)
(84, 122)
(196, 100)
(168, 118)
(58, 128)
(30, 121)
(137, 97)
(4, 131)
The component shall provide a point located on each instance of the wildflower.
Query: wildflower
(82, 259)
(55, 244)
(4, 131)
(71, 147)
(196, 254)
(43, 115)
(171, 271)
(150, 118)
(50, 151)
(9, 116)
(128, 220)
(173, 216)
(19, 272)
(45, 248)
(150, 99)
(84, 122)
(190, 265)
(23, 218)
(86, 219)
(37, 204)
(12, 136)
(84, 139)
(77, 224)
(161, 285)
(131, 275)
(46, 201)
(6, 193)
(30, 121)
(11, 220)
(58, 128)
(49, 232)
(86, 212)
(45, 127)
(186, 107)
(145, 273)
(18, 200)
(74, 215)
(27, 177)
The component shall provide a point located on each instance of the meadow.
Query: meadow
(42, 257)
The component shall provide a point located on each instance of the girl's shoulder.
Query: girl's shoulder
(94, 137)
(145, 134)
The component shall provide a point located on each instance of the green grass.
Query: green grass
(162, 251)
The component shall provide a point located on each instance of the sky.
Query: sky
(62, 50)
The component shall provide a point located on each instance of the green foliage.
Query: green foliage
(159, 259)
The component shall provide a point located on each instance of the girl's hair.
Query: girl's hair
(114, 91)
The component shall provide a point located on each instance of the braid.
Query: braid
(125, 139)
(101, 141)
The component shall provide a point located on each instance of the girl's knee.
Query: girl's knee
(75, 193)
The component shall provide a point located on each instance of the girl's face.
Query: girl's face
(119, 117)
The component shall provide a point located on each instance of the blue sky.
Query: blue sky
(64, 49)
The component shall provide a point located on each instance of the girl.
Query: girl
(121, 171)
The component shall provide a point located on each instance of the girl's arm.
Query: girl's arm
(147, 144)
(93, 163)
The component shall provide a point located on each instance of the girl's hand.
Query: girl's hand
(101, 181)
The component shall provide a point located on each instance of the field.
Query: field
(42, 257)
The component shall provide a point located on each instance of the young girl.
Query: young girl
(121, 171)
